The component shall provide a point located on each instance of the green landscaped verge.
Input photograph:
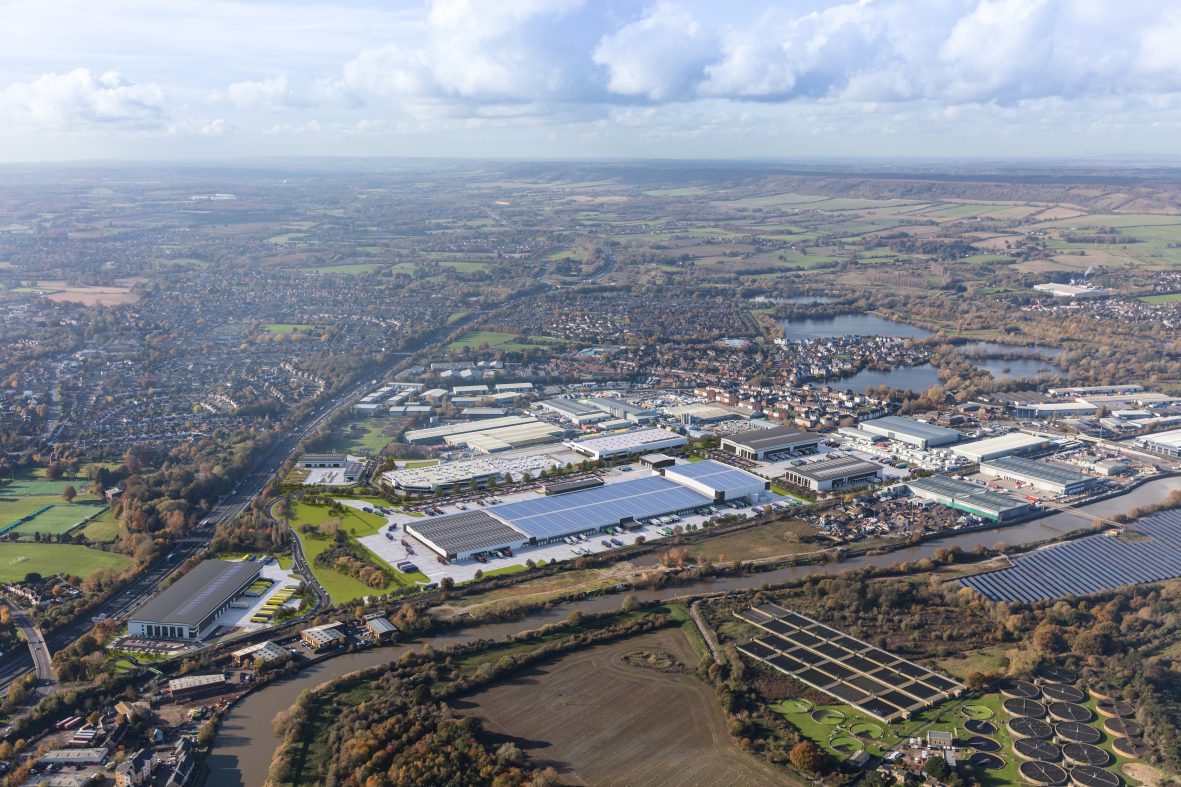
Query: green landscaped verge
(341, 587)
(1168, 297)
(496, 572)
(20, 558)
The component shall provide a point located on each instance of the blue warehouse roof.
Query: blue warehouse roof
(574, 512)
(715, 474)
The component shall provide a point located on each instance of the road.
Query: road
(42, 661)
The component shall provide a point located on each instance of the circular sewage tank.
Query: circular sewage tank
(1090, 776)
(1037, 749)
(1024, 707)
(980, 727)
(1019, 688)
(1077, 732)
(1114, 708)
(1131, 747)
(1085, 754)
(1025, 727)
(981, 743)
(1045, 773)
(1061, 692)
(986, 761)
(1124, 728)
(1056, 674)
(1069, 711)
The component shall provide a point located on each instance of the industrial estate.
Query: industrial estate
(510, 474)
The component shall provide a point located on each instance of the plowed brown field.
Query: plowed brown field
(599, 721)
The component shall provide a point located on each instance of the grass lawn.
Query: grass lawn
(500, 341)
(12, 509)
(19, 558)
(41, 487)
(775, 538)
(61, 518)
(351, 270)
(1168, 297)
(357, 523)
(102, 528)
(363, 436)
(286, 327)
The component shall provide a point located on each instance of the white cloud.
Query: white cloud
(269, 94)
(659, 57)
(77, 99)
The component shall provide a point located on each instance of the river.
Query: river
(242, 751)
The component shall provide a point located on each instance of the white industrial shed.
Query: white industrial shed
(996, 447)
(718, 481)
(908, 430)
(641, 441)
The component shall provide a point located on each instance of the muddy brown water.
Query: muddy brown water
(242, 751)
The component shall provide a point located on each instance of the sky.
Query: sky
(214, 79)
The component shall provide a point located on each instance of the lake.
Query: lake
(858, 324)
(907, 378)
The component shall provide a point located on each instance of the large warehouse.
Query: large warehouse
(574, 411)
(542, 520)
(908, 430)
(641, 441)
(1168, 443)
(1052, 478)
(833, 473)
(757, 443)
(467, 471)
(996, 447)
(966, 496)
(187, 609)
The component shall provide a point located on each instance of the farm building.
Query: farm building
(996, 447)
(187, 609)
(641, 441)
(833, 473)
(908, 430)
(968, 497)
(757, 443)
(1048, 477)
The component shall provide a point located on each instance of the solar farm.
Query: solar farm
(1089, 565)
(853, 672)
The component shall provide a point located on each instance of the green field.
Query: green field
(349, 270)
(19, 558)
(286, 327)
(102, 528)
(357, 523)
(362, 436)
(1168, 297)
(14, 508)
(497, 341)
(34, 486)
(61, 518)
